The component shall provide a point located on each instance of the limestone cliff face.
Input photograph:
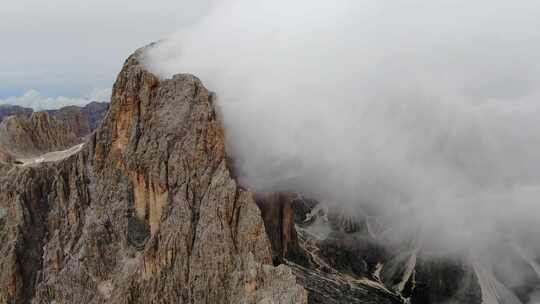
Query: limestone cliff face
(81, 120)
(40, 133)
(146, 212)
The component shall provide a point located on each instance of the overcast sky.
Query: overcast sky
(59, 52)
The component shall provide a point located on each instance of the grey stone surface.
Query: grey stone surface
(81, 120)
(38, 134)
(146, 212)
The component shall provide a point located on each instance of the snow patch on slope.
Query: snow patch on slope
(51, 156)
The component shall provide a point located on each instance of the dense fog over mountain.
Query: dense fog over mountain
(422, 114)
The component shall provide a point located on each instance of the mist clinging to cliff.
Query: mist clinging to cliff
(426, 112)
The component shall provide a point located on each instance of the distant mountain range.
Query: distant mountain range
(81, 120)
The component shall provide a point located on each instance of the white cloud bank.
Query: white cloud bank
(425, 113)
(33, 99)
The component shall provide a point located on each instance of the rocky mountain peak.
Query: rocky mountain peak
(145, 212)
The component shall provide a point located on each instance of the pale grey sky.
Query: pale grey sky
(75, 49)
